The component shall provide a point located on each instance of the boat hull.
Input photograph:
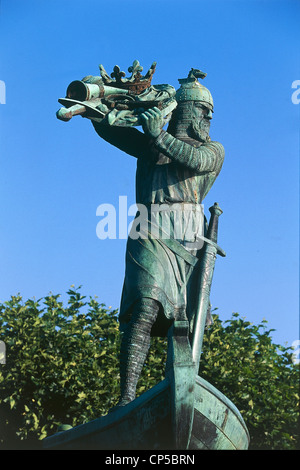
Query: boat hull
(146, 424)
(217, 424)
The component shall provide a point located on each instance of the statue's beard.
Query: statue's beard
(200, 129)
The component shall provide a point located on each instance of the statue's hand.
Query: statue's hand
(152, 122)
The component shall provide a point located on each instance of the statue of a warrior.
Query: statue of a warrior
(175, 170)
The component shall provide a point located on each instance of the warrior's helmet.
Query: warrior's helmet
(190, 92)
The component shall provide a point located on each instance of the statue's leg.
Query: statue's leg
(135, 346)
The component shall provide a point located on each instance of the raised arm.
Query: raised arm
(127, 139)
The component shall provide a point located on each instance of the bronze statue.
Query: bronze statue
(176, 169)
(170, 259)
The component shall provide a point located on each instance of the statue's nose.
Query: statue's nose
(209, 115)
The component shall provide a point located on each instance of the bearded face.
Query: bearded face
(201, 117)
(191, 119)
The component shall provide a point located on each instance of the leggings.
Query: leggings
(135, 346)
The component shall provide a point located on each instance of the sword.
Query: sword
(207, 265)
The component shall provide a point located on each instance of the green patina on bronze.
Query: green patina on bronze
(168, 272)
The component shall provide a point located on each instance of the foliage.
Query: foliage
(62, 366)
(258, 376)
(57, 364)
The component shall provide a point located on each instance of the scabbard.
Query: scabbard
(206, 271)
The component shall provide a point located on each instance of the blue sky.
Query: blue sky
(54, 175)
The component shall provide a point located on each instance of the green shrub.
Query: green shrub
(258, 376)
(62, 366)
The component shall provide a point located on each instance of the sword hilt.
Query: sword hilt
(212, 232)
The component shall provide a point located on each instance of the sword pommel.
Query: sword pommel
(216, 209)
(212, 232)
